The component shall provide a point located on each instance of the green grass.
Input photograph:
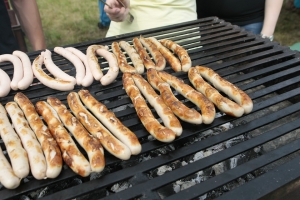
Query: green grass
(74, 21)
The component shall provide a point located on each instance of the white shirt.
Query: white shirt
(155, 13)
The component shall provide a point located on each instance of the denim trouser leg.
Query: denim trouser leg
(254, 28)
(104, 19)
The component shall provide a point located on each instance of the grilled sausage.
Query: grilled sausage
(121, 59)
(178, 108)
(36, 157)
(148, 63)
(54, 69)
(18, 69)
(88, 78)
(224, 104)
(89, 143)
(17, 154)
(50, 148)
(111, 122)
(109, 142)
(158, 131)
(160, 61)
(47, 80)
(80, 69)
(7, 176)
(239, 96)
(4, 83)
(134, 56)
(113, 71)
(27, 79)
(182, 54)
(206, 106)
(155, 100)
(92, 61)
(70, 152)
(169, 56)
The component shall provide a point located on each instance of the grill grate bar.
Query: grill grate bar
(270, 181)
(181, 172)
(248, 167)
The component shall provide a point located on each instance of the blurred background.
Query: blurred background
(75, 21)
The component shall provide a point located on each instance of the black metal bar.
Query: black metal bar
(248, 167)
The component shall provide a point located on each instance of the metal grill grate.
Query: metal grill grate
(268, 72)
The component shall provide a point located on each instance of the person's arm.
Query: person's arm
(117, 13)
(30, 20)
(272, 11)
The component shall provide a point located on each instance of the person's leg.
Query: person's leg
(104, 19)
(254, 28)
(8, 43)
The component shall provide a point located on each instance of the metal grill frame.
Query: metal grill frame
(227, 49)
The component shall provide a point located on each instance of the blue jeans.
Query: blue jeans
(104, 19)
(254, 28)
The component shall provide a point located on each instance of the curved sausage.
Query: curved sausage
(148, 63)
(121, 59)
(160, 61)
(4, 83)
(151, 124)
(109, 142)
(228, 88)
(168, 55)
(206, 106)
(89, 143)
(88, 78)
(155, 100)
(109, 120)
(17, 154)
(70, 152)
(134, 56)
(36, 157)
(80, 69)
(47, 80)
(7, 176)
(50, 148)
(182, 54)
(224, 104)
(92, 61)
(179, 109)
(113, 70)
(18, 69)
(54, 69)
(27, 79)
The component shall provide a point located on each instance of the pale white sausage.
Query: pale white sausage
(4, 83)
(18, 69)
(17, 154)
(113, 71)
(27, 79)
(55, 70)
(88, 78)
(36, 157)
(7, 175)
(47, 80)
(80, 69)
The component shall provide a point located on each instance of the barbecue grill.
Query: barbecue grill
(251, 157)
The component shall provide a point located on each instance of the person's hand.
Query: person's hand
(117, 13)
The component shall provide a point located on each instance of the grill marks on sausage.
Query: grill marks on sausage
(179, 109)
(223, 104)
(206, 106)
(71, 154)
(158, 131)
(111, 122)
(109, 142)
(90, 144)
